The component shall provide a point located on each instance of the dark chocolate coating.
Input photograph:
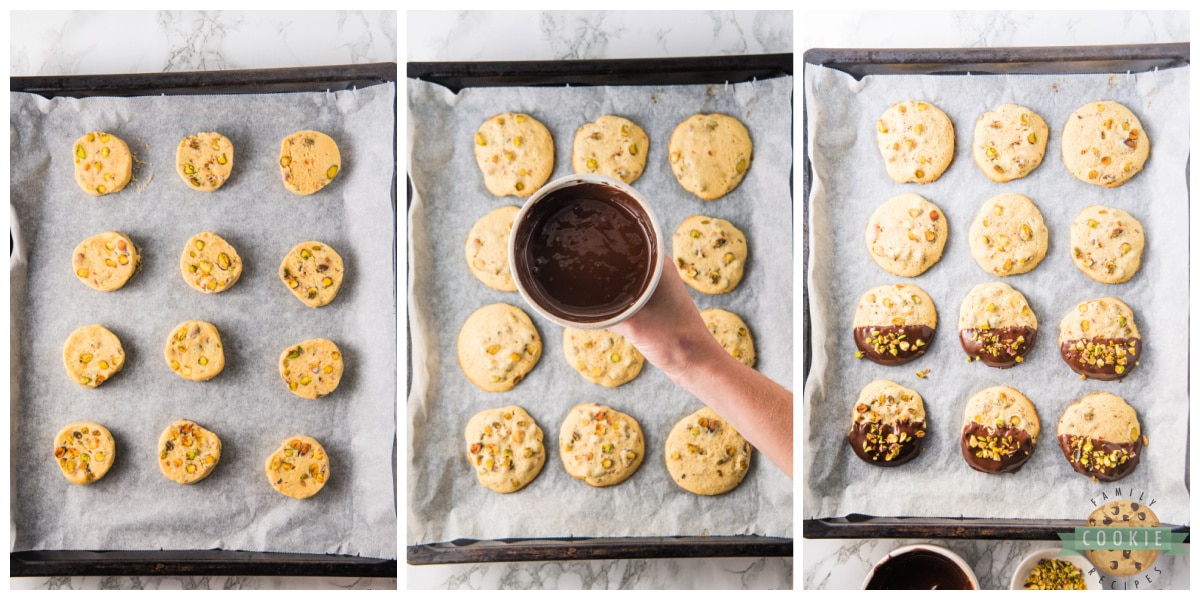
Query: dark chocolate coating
(1077, 359)
(893, 334)
(1008, 463)
(1072, 449)
(876, 451)
(919, 570)
(998, 347)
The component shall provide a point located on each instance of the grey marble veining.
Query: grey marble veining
(203, 583)
(711, 573)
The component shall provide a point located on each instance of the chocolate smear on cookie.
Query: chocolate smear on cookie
(893, 344)
(1106, 359)
(1002, 449)
(1002, 347)
(887, 445)
(1101, 459)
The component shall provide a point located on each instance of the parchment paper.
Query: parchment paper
(850, 182)
(135, 507)
(445, 499)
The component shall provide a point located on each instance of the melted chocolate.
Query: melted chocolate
(1073, 448)
(900, 338)
(998, 347)
(1016, 447)
(919, 570)
(1104, 348)
(878, 448)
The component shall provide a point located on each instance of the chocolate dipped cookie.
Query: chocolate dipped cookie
(888, 424)
(1099, 340)
(1000, 430)
(996, 325)
(894, 324)
(1101, 437)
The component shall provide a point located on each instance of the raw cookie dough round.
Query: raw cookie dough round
(887, 424)
(1107, 244)
(106, 261)
(1103, 143)
(312, 368)
(894, 324)
(497, 346)
(299, 468)
(599, 445)
(612, 146)
(188, 452)
(194, 351)
(103, 164)
(906, 235)
(92, 354)
(1099, 339)
(710, 154)
(1008, 236)
(916, 140)
(731, 332)
(209, 264)
(308, 160)
(1100, 436)
(710, 254)
(204, 161)
(601, 356)
(313, 271)
(996, 325)
(1000, 430)
(84, 451)
(1010, 142)
(487, 249)
(504, 447)
(516, 154)
(1123, 513)
(705, 455)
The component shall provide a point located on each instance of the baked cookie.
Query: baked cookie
(1123, 513)
(1000, 430)
(1101, 437)
(308, 160)
(612, 146)
(894, 324)
(599, 445)
(1008, 236)
(731, 332)
(1099, 339)
(516, 154)
(106, 261)
(1103, 143)
(1009, 142)
(504, 447)
(204, 161)
(710, 154)
(188, 452)
(916, 140)
(887, 424)
(996, 325)
(1107, 244)
(92, 354)
(311, 368)
(906, 235)
(313, 271)
(299, 468)
(209, 264)
(194, 351)
(103, 164)
(710, 254)
(705, 455)
(487, 249)
(497, 346)
(601, 356)
(84, 451)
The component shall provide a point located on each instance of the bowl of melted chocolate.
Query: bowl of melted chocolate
(586, 251)
(921, 567)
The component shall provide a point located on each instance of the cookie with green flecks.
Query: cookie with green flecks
(710, 154)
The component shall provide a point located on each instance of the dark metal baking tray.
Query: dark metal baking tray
(859, 63)
(672, 71)
(203, 562)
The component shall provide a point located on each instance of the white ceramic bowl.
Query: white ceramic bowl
(955, 558)
(1091, 576)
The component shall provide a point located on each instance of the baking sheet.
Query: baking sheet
(246, 405)
(849, 182)
(445, 500)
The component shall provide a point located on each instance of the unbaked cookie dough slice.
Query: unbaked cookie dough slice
(710, 154)
(996, 325)
(731, 332)
(194, 351)
(1099, 339)
(916, 140)
(906, 235)
(312, 368)
(103, 164)
(299, 468)
(1104, 144)
(106, 261)
(612, 146)
(710, 254)
(188, 452)
(1107, 244)
(601, 356)
(1123, 513)
(706, 455)
(1000, 430)
(92, 354)
(308, 160)
(599, 445)
(84, 451)
(1101, 438)
(313, 271)
(515, 152)
(487, 249)
(894, 324)
(1010, 142)
(209, 264)
(504, 448)
(887, 424)
(497, 346)
(1008, 236)
(204, 161)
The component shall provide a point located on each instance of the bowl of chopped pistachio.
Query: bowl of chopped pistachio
(1046, 569)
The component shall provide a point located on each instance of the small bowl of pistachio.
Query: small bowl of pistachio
(1046, 569)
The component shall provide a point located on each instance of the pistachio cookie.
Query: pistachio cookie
(308, 161)
(497, 346)
(706, 455)
(1104, 144)
(188, 452)
(710, 254)
(601, 356)
(612, 146)
(1107, 244)
(84, 451)
(487, 249)
(516, 154)
(209, 264)
(313, 271)
(1123, 513)
(103, 164)
(504, 447)
(194, 351)
(312, 368)
(92, 354)
(731, 332)
(204, 161)
(894, 324)
(887, 424)
(906, 235)
(1099, 339)
(106, 261)
(1010, 142)
(1000, 430)
(996, 325)
(599, 445)
(710, 154)
(1008, 236)
(916, 140)
(299, 468)
(1100, 436)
